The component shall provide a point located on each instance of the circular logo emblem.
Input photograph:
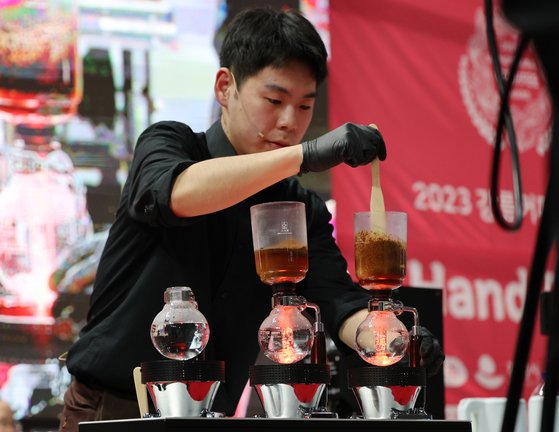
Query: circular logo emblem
(529, 101)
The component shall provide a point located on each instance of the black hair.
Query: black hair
(261, 37)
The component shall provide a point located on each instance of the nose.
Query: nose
(287, 119)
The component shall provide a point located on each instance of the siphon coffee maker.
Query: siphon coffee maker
(185, 384)
(383, 391)
(290, 388)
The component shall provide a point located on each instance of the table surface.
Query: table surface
(271, 425)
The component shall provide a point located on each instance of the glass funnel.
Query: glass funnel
(380, 249)
(279, 234)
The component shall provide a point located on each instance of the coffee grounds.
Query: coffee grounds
(378, 254)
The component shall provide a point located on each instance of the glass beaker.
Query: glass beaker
(380, 249)
(279, 235)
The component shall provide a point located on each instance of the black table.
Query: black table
(272, 425)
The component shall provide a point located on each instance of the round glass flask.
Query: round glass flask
(381, 339)
(180, 331)
(286, 335)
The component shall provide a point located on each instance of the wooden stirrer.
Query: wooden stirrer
(141, 392)
(377, 200)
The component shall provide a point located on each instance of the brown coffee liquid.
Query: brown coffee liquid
(282, 264)
(380, 260)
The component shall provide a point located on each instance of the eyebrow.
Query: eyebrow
(283, 90)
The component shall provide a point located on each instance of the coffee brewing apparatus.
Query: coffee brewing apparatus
(380, 240)
(186, 383)
(289, 388)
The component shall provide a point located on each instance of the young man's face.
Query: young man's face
(272, 109)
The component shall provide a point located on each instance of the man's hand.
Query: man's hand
(430, 351)
(350, 143)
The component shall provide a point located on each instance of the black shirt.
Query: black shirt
(150, 249)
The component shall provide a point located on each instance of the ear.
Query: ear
(223, 86)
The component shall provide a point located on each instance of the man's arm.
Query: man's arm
(215, 184)
(212, 185)
(349, 327)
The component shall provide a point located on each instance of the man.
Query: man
(184, 219)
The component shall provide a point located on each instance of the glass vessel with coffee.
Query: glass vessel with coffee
(382, 339)
(291, 388)
(380, 267)
(279, 233)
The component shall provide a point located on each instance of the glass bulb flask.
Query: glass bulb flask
(180, 331)
(286, 336)
(382, 339)
(380, 266)
(279, 233)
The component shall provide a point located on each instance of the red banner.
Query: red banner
(422, 72)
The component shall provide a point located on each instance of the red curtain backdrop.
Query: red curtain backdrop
(421, 71)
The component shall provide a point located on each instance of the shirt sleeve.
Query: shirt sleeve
(163, 151)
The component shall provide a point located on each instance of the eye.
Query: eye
(305, 107)
(273, 101)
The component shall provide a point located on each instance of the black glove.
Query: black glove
(430, 351)
(350, 143)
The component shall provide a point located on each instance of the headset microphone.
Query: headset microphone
(259, 134)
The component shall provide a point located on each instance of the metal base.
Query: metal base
(183, 388)
(387, 393)
(290, 391)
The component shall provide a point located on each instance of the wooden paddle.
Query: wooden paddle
(141, 392)
(378, 222)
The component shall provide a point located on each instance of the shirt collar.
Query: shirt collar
(218, 143)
